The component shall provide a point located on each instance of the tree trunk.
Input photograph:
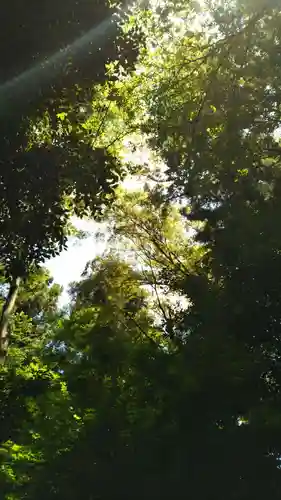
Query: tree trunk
(7, 311)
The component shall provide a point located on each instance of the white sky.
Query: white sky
(69, 265)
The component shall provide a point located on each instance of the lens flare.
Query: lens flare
(24, 87)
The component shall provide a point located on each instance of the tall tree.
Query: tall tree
(50, 168)
(213, 117)
(45, 181)
(145, 398)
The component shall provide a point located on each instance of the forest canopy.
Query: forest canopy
(161, 379)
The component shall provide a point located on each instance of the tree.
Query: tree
(105, 339)
(141, 410)
(51, 166)
(213, 118)
(30, 390)
(47, 182)
(145, 398)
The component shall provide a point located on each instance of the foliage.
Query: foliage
(163, 379)
(49, 165)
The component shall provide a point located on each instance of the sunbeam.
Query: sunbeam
(24, 87)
